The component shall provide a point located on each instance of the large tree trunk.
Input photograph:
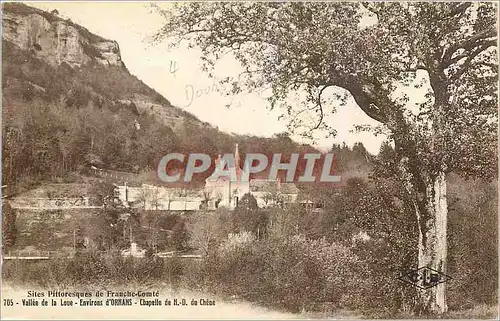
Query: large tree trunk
(433, 214)
(432, 245)
(428, 196)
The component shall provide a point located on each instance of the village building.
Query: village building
(160, 198)
(221, 192)
(268, 193)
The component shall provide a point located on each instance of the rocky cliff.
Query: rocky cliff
(45, 56)
(54, 39)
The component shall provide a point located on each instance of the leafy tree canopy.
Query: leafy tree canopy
(364, 52)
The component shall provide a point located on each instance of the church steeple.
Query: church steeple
(236, 157)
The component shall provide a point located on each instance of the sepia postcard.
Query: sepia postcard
(249, 160)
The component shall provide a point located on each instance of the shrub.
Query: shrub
(294, 273)
(92, 269)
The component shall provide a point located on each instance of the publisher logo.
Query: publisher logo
(424, 277)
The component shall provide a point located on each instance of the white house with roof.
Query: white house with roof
(224, 191)
(227, 192)
(221, 192)
(160, 198)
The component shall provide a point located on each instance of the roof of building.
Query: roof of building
(262, 185)
(289, 188)
(177, 192)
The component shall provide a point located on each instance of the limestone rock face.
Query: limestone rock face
(67, 46)
(56, 40)
(110, 53)
(99, 78)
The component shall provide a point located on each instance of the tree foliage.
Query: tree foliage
(364, 52)
(247, 216)
(9, 229)
(377, 56)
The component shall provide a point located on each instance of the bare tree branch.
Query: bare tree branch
(479, 39)
(320, 108)
(463, 68)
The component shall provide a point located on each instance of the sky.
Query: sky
(177, 75)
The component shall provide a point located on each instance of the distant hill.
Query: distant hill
(45, 55)
(69, 102)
